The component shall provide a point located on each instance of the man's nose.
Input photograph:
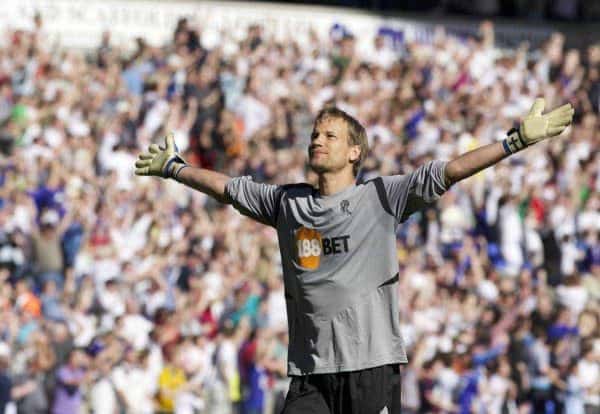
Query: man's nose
(317, 141)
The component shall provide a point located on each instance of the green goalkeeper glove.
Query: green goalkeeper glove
(536, 127)
(161, 162)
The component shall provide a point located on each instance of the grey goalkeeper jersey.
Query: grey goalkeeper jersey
(340, 264)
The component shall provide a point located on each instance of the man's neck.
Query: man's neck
(331, 183)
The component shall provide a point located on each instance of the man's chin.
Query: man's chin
(318, 168)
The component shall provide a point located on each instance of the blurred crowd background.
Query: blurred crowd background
(125, 294)
(532, 10)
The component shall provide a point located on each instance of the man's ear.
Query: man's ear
(354, 153)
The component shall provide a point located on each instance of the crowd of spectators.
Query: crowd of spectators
(126, 294)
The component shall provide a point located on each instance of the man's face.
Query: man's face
(329, 149)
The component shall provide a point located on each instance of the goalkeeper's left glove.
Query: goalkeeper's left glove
(536, 127)
(162, 162)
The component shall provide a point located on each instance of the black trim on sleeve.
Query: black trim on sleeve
(379, 187)
(391, 281)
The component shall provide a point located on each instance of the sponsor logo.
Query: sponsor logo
(335, 245)
(310, 246)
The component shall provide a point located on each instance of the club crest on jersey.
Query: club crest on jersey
(345, 207)
(310, 246)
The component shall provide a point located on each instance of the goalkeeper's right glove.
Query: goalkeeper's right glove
(161, 162)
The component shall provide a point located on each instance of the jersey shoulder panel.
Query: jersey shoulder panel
(297, 190)
(379, 186)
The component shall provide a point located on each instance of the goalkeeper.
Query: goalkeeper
(338, 251)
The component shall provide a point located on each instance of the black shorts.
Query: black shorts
(369, 391)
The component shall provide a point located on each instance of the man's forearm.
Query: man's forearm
(474, 161)
(209, 182)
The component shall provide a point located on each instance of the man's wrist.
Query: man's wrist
(173, 166)
(177, 169)
(514, 141)
(168, 168)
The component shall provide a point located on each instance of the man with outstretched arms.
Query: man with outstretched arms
(338, 250)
